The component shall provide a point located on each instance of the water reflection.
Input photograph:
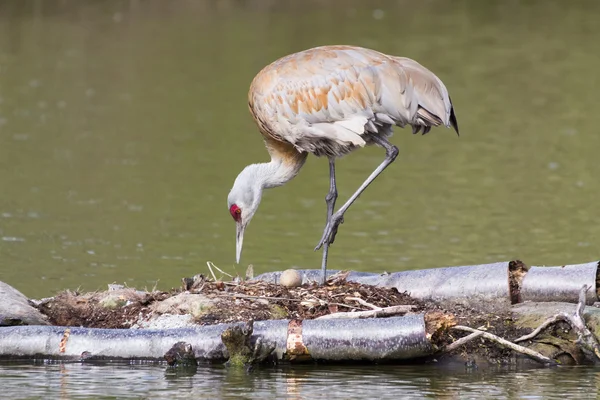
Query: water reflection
(297, 382)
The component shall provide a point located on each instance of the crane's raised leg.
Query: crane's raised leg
(336, 219)
(330, 201)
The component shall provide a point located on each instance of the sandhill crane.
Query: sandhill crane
(329, 101)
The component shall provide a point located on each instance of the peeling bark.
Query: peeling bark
(560, 283)
(395, 338)
(516, 272)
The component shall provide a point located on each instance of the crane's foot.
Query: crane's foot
(331, 230)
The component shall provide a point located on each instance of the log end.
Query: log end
(516, 272)
(437, 324)
(181, 354)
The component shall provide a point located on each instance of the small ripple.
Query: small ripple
(12, 239)
(378, 14)
(20, 137)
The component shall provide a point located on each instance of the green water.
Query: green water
(116, 381)
(124, 123)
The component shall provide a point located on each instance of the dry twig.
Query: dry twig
(381, 312)
(211, 265)
(585, 338)
(362, 302)
(211, 270)
(461, 342)
(220, 270)
(503, 342)
(552, 320)
(246, 296)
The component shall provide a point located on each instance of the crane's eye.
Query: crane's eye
(235, 212)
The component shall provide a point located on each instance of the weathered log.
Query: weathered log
(483, 287)
(560, 283)
(367, 339)
(242, 352)
(16, 310)
(573, 340)
(586, 340)
(394, 338)
(488, 288)
(180, 354)
(59, 342)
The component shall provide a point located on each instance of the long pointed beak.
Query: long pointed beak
(239, 240)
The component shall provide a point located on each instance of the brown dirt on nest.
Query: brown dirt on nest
(500, 324)
(111, 309)
(243, 301)
(232, 302)
(261, 300)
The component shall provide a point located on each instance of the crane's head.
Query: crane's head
(243, 201)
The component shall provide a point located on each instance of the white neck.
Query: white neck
(249, 184)
(275, 173)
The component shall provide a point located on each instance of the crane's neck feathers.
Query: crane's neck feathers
(256, 177)
(285, 164)
(276, 172)
(249, 184)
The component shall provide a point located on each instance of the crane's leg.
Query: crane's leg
(336, 219)
(330, 201)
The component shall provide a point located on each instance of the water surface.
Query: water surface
(76, 381)
(124, 123)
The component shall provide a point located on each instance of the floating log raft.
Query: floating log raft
(487, 287)
(418, 315)
(477, 286)
(395, 338)
(560, 283)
